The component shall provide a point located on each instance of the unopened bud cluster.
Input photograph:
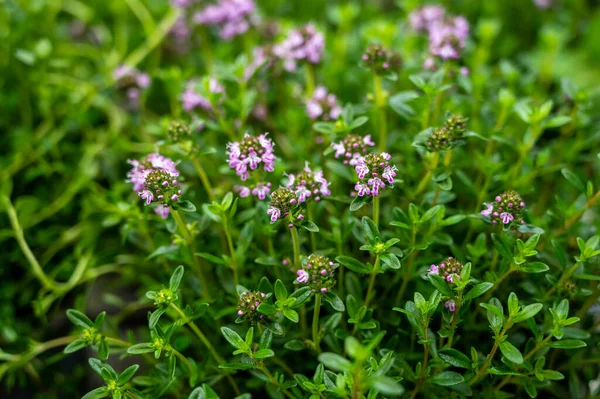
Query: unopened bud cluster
(449, 270)
(247, 307)
(178, 131)
(318, 274)
(447, 136)
(380, 60)
(283, 200)
(507, 209)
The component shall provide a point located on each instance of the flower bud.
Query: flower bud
(247, 307)
(318, 274)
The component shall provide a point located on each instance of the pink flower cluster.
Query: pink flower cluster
(352, 148)
(323, 105)
(507, 208)
(248, 154)
(143, 170)
(373, 172)
(191, 98)
(308, 183)
(131, 81)
(230, 17)
(449, 270)
(259, 190)
(447, 34)
(305, 44)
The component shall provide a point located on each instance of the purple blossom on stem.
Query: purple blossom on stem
(230, 17)
(191, 98)
(449, 270)
(308, 183)
(507, 209)
(446, 34)
(352, 148)
(131, 81)
(489, 208)
(450, 305)
(283, 201)
(304, 44)
(249, 153)
(323, 105)
(370, 170)
(302, 276)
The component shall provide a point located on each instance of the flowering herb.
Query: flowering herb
(375, 173)
(111, 105)
(506, 210)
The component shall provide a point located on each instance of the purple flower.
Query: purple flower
(434, 269)
(371, 170)
(140, 169)
(131, 81)
(446, 34)
(243, 191)
(261, 190)
(230, 17)
(192, 99)
(249, 153)
(323, 106)
(302, 276)
(543, 4)
(308, 183)
(305, 44)
(450, 305)
(275, 213)
(489, 208)
(163, 211)
(506, 217)
(352, 148)
(147, 195)
(283, 201)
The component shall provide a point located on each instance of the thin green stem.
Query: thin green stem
(313, 236)
(568, 273)
(206, 343)
(423, 184)
(295, 242)
(204, 179)
(183, 359)
(423, 365)
(381, 112)
(376, 210)
(274, 381)
(309, 79)
(316, 334)
(234, 265)
(46, 281)
(187, 235)
(372, 280)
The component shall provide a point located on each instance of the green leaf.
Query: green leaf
(185, 206)
(455, 358)
(567, 344)
(79, 319)
(211, 258)
(533, 267)
(176, 278)
(291, 314)
(126, 375)
(76, 345)
(237, 366)
(103, 350)
(155, 316)
(97, 393)
(310, 226)
(263, 353)
(447, 378)
(391, 260)
(280, 291)
(233, 338)
(353, 264)
(510, 352)
(294, 345)
(358, 203)
(334, 361)
(528, 312)
(267, 309)
(440, 284)
(386, 385)
(300, 296)
(477, 291)
(335, 302)
(145, 347)
(371, 231)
